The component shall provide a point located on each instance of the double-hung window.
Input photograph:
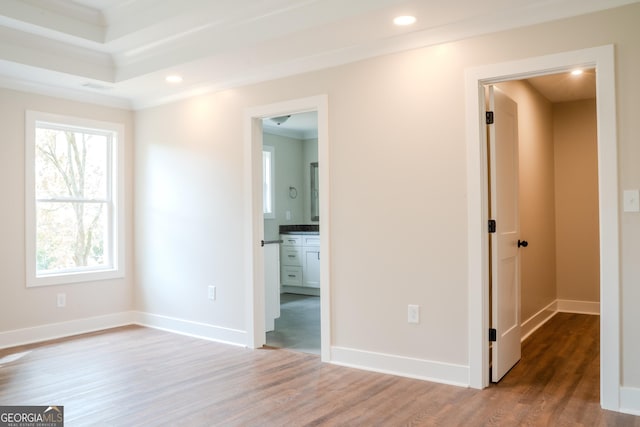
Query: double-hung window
(74, 199)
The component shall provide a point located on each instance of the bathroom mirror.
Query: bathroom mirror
(315, 211)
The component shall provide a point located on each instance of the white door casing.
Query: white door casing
(505, 260)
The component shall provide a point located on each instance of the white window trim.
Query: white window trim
(272, 150)
(118, 217)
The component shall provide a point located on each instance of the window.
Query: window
(74, 195)
(268, 182)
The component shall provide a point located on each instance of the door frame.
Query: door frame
(603, 60)
(254, 217)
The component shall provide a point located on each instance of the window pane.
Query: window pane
(266, 182)
(71, 164)
(71, 236)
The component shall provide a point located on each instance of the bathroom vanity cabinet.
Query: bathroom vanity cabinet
(300, 260)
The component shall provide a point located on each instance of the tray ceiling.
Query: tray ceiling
(118, 52)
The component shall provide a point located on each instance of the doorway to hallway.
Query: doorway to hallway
(545, 253)
(602, 59)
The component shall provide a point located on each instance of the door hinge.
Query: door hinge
(492, 335)
(489, 117)
(492, 226)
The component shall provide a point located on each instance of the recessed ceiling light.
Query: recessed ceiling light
(576, 72)
(404, 20)
(173, 79)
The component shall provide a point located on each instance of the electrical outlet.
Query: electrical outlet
(61, 300)
(413, 314)
(211, 293)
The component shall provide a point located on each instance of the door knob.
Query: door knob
(523, 243)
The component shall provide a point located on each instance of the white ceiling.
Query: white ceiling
(118, 52)
(564, 87)
(298, 126)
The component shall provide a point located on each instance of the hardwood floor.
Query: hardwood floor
(135, 376)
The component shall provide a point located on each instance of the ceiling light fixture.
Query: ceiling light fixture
(173, 79)
(280, 119)
(404, 20)
(576, 72)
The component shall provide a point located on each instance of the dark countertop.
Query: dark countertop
(300, 229)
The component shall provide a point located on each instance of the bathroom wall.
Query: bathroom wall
(289, 172)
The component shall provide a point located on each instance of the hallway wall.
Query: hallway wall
(576, 199)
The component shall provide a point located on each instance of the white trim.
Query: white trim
(52, 331)
(44, 89)
(534, 323)
(410, 367)
(602, 58)
(254, 224)
(630, 400)
(190, 328)
(580, 307)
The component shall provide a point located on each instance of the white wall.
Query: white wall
(34, 307)
(289, 169)
(398, 184)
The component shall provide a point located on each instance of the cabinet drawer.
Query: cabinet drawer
(291, 240)
(310, 240)
(291, 255)
(291, 276)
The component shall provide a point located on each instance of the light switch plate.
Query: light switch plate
(631, 200)
(413, 313)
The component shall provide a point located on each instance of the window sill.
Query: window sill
(75, 277)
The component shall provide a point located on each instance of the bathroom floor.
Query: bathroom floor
(298, 327)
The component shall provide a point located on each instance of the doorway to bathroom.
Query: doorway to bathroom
(311, 246)
(291, 227)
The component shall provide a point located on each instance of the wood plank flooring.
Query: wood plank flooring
(136, 376)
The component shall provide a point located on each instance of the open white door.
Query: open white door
(505, 274)
(271, 284)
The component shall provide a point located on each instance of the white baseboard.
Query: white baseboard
(191, 328)
(630, 400)
(581, 307)
(532, 324)
(445, 373)
(63, 329)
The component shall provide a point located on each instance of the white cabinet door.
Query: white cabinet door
(311, 269)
